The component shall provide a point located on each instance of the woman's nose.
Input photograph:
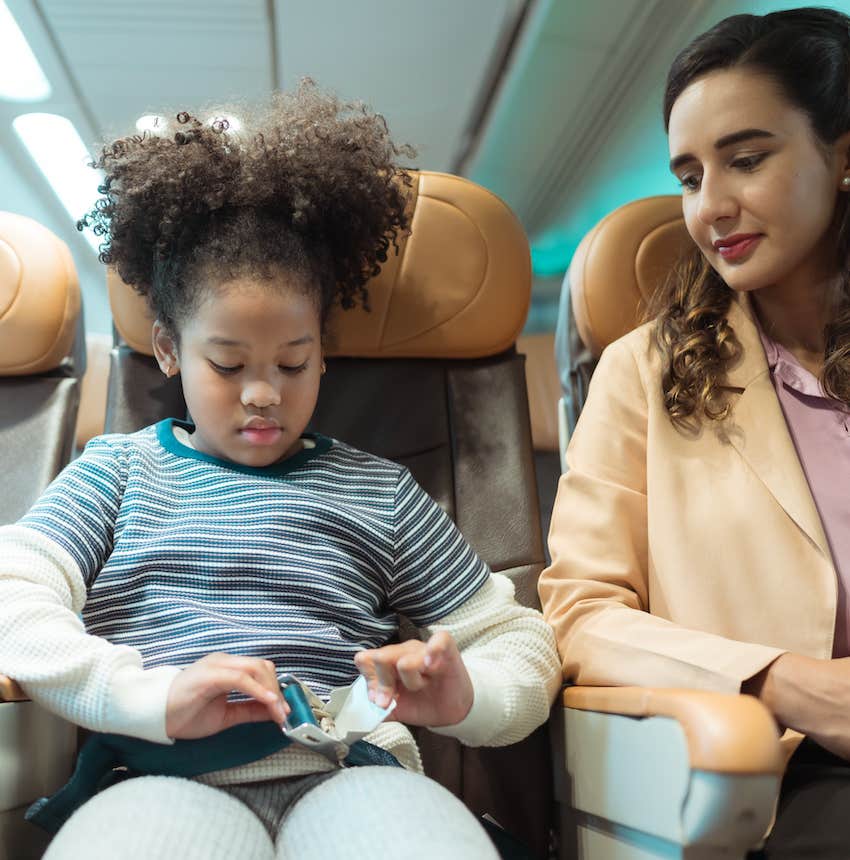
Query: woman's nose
(260, 394)
(716, 201)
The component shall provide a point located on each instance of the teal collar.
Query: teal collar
(166, 437)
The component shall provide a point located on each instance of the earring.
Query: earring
(170, 371)
(325, 367)
(845, 182)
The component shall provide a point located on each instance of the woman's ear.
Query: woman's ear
(165, 350)
(842, 149)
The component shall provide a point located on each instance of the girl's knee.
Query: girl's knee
(364, 808)
(163, 817)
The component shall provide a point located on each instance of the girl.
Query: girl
(214, 557)
(702, 534)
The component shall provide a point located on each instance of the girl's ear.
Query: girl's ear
(165, 350)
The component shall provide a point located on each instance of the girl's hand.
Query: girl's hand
(428, 680)
(809, 695)
(197, 699)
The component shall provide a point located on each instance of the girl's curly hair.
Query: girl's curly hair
(309, 186)
(807, 53)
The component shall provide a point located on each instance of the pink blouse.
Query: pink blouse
(820, 428)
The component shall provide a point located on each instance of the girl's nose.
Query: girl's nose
(260, 394)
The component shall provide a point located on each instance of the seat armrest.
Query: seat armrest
(731, 734)
(10, 691)
(656, 773)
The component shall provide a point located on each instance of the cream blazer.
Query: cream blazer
(684, 560)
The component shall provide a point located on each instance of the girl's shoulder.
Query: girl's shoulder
(343, 455)
(122, 444)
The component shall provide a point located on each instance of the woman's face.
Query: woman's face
(759, 189)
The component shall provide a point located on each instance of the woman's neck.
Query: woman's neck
(797, 317)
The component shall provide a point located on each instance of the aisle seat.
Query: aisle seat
(641, 773)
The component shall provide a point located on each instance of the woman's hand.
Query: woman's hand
(197, 699)
(428, 680)
(809, 695)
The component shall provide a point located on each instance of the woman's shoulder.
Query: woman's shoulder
(634, 355)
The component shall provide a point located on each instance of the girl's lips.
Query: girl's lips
(261, 435)
(739, 249)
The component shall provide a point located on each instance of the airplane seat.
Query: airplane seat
(91, 417)
(610, 278)
(430, 378)
(42, 355)
(541, 378)
(640, 772)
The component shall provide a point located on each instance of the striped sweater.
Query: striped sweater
(170, 554)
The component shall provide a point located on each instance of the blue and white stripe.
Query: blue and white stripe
(184, 555)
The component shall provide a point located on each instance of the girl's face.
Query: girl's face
(758, 188)
(250, 360)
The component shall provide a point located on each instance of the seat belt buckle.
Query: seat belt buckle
(347, 717)
(301, 725)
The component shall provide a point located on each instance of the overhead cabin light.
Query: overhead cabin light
(152, 123)
(21, 77)
(233, 123)
(63, 158)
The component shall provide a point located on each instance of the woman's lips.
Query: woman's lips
(739, 248)
(261, 435)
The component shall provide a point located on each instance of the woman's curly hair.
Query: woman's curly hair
(695, 339)
(309, 186)
(807, 53)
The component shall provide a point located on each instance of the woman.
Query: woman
(701, 536)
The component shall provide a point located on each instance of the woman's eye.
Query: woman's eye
(298, 368)
(749, 162)
(223, 369)
(690, 182)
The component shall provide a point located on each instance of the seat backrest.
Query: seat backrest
(613, 273)
(428, 378)
(42, 354)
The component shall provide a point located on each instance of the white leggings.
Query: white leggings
(361, 812)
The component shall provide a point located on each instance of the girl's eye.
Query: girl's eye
(749, 162)
(298, 368)
(223, 369)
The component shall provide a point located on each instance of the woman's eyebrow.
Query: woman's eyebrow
(722, 143)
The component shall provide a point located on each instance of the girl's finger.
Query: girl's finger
(243, 682)
(378, 667)
(411, 670)
(246, 712)
(438, 649)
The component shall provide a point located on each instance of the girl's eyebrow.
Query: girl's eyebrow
(722, 143)
(225, 341)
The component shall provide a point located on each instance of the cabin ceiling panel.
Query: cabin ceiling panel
(577, 71)
(128, 58)
(422, 65)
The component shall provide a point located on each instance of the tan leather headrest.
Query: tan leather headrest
(459, 287)
(39, 297)
(619, 263)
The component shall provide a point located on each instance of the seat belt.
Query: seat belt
(108, 758)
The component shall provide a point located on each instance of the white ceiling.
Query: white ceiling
(425, 66)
